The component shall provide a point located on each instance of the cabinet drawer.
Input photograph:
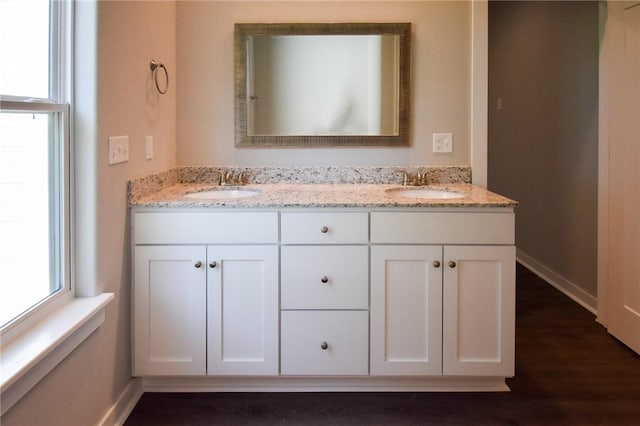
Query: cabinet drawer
(325, 228)
(442, 228)
(324, 277)
(205, 227)
(324, 343)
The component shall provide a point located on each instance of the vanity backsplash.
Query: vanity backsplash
(141, 187)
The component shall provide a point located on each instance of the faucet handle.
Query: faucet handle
(423, 178)
(241, 179)
(405, 179)
(226, 178)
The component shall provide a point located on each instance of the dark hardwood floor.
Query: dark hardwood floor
(569, 371)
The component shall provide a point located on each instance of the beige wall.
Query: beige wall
(441, 80)
(543, 143)
(114, 96)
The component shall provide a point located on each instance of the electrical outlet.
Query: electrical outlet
(118, 149)
(148, 147)
(442, 142)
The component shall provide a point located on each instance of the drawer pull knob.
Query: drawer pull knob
(452, 264)
(324, 279)
(436, 263)
(213, 264)
(198, 264)
(324, 229)
(324, 346)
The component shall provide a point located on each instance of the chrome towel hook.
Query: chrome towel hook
(154, 72)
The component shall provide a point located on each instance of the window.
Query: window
(34, 156)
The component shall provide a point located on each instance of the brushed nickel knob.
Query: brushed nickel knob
(213, 264)
(324, 346)
(324, 279)
(452, 264)
(324, 229)
(436, 263)
(198, 264)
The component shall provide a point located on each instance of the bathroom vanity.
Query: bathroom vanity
(323, 287)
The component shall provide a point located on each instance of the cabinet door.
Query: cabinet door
(406, 310)
(242, 312)
(169, 310)
(479, 310)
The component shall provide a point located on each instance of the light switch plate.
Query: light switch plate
(118, 149)
(442, 142)
(148, 147)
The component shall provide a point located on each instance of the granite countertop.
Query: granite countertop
(293, 195)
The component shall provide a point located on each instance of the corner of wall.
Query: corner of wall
(479, 91)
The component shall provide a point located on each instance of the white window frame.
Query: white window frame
(37, 341)
(58, 104)
(60, 176)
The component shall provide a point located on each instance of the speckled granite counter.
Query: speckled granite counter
(322, 195)
(300, 187)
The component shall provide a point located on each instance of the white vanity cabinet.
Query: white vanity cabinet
(406, 310)
(170, 310)
(205, 293)
(478, 311)
(442, 293)
(325, 293)
(385, 298)
(242, 315)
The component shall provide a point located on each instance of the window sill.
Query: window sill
(30, 357)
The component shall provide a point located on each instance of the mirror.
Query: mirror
(322, 84)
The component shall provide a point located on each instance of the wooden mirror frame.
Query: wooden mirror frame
(243, 31)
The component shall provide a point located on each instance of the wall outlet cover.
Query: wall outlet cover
(148, 147)
(442, 142)
(118, 149)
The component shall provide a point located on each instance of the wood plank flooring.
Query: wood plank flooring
(569, 371)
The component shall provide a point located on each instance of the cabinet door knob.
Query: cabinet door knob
(324, 229)
(213, 264)
(324, 346)
(436, 263)
(452, 264)
(324, 279)
(198, 264)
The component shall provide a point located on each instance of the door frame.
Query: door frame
(611, 34)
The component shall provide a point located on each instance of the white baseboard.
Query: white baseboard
(565, 286)
(118, 413)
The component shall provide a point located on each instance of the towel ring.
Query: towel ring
(154, 72)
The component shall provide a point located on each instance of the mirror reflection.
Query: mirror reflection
(322, 84)
(330, 85)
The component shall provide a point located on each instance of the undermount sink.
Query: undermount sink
(426, 193)
(222, 194)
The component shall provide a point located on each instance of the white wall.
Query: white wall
(441, 85)
(114, 96)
